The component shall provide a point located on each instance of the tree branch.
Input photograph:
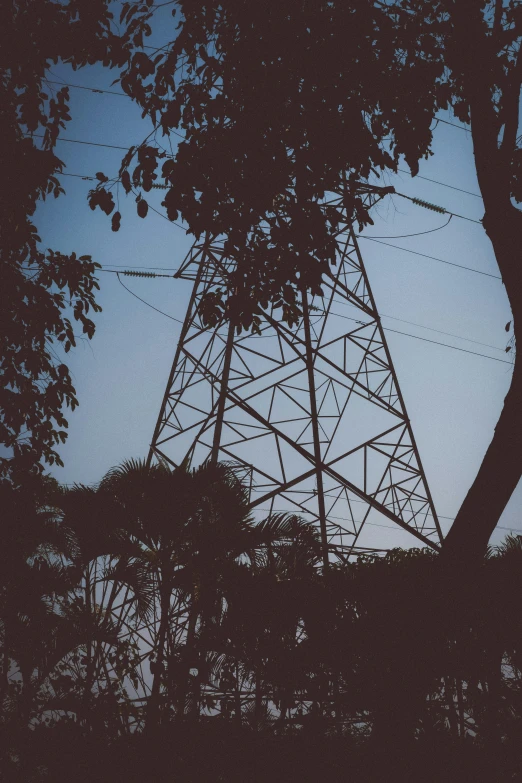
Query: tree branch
(511, 107)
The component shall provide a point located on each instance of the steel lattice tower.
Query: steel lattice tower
(314, 414)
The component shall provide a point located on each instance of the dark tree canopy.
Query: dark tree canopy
(282, 104)
(279, 105)
(150, 618)
(38, 287)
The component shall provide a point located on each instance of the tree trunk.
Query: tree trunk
(258, 697)
(501, 467)
(189, 653)
(154, 699)
(499, 473)
(89, 671)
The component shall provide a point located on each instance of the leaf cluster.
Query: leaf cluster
(39, 287)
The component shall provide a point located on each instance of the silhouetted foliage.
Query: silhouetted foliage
(152, 606)
(152, 611)
(281, 105)
(39, 287)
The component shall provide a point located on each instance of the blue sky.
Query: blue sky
(453, 397)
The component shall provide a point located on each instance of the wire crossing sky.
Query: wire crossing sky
(442, 279)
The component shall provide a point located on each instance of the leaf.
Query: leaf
(125, 181)
(101, 176)
(507, 326)
(143, 208)
(103, 199)
(115, 222)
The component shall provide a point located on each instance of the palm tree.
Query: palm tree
(266, 605)
(110, 592)
(189, 526)
(29, 585)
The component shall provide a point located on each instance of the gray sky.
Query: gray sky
(453, 398)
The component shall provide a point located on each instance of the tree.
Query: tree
(38, 287)
(482, 51)
(262, 632)
(190, 526)
(317, 97)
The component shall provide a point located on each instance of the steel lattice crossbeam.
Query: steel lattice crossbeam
(313, 414)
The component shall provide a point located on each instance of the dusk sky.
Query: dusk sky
(453, 396)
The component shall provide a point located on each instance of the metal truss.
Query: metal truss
(314, 414)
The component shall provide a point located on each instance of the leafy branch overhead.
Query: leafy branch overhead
(283, 104)
(43, 292)
(280, 104)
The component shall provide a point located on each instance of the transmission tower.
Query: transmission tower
(314, 414)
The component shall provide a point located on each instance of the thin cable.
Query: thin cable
(358, 500)
(442, 210)
(406, 236)
(172, 222)
(432, 258)
(440, 331)
(436, 182)
(375, 524)
(383, 315)
(93, 179)
(360, 236)
(89, 89)
(148, 303)
(348, 318)
(128, 273)
(339, 315)
(142, 266)
(426, 340)
(80, 176)
(79, 141)
(445, 345)
(423, 326)
(107, 92)
(453, 125)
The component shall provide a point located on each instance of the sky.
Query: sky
(453, 397)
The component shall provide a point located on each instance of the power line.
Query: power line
(437, 182)
(406, 236)
(443, 211)
(360, 236)
(124, 95)
(106, 92)
(373, 524)
(94, 179)
(148, 303)
(422, 326)
(445, 345)
(80, 141)
(130, 273)
(440, 331)
(172, 222)
(390, 527)
(126, 270)
(80, 176)
(453, 124)
(432, 258)
(435, 342)
(142, 266)
(89, 89)
(338, 315)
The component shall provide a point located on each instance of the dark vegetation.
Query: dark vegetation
(151, 630)
(244, 658)
(317, 96)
